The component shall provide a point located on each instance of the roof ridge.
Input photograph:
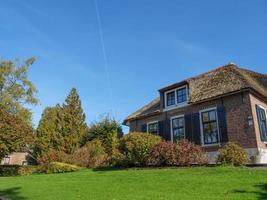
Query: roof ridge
(231, 64)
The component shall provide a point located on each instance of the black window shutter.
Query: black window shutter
(259, 119)
(144, 128)
(196, 128)
(167, 130)
(222, 124)
(160, 129)
(188, 127)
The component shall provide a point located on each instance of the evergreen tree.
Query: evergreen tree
(49, 132)
(72, 119)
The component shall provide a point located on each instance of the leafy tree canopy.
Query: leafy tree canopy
(108, 131)
(16, 90)
(15, 134)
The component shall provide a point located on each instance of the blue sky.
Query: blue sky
(148, 44)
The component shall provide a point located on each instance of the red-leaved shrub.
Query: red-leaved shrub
(91, 155)
(180, 153)
(186, 153)
(161, 154)
(53, 156)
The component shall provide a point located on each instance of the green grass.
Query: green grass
(182, 183)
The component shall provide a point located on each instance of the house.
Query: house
(18, 158)
(211, 109)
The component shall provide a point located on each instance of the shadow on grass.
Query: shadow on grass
(12, 194)
(108, 169)
(261, 194)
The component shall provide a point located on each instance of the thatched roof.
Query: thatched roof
(151, 108)
(218, 82)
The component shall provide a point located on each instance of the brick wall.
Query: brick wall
(256, 101)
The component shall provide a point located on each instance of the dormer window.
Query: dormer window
(176, 97)
(171, 98)
(181, 95)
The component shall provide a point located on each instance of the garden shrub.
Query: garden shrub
(186, 153)
(26, 170)
(180, 153)
(161, 154)
(9, 170)
(91, 155)
(53, 156)
(136, 148)
(232, 154)
(57, 167)
(15, 170)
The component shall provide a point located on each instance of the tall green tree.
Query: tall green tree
(49, 132)
(72, 120)
(15, 134)
(107, 130)
(16, 90)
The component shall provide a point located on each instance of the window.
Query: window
(178, 130)
(210, 132)
(181, 95)
(262, 122)
(176, 97)
(152, 127)
(170, 98)
(6, 160)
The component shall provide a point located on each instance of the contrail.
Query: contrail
(100, 29)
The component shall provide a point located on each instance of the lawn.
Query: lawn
(182, 183)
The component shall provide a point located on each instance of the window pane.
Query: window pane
(171, 98)
(181, 95)
(178, 128)
(205, 117)
(178, 134)
(263, 124)
(153, 128)
(175, 123)
(210, 127)
(212, 116)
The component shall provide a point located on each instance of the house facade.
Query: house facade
(227, 104)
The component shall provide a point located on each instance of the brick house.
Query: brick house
(225, 104)
(18, 158)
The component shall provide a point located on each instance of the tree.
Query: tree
(72, 121)
(48, 132)
(108, 131)
(15, 134)
(16, 90)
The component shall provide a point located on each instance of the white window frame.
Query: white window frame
(174, 117)
(262, 107)
(176, 105)
(152, 122)
(201, 127)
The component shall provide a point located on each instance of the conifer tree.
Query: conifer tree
(49, 132)
(72, 118)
